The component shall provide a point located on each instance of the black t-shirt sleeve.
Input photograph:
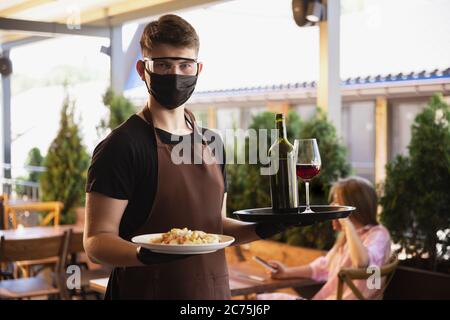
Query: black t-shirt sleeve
(112, 171)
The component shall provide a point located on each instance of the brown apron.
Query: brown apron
(191, 196)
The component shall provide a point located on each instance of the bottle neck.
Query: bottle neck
(281, 127)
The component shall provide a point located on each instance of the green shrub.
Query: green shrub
(120, 109)
(416, 201)
(67, 161)
(34, 159)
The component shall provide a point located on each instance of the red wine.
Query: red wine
(307, 171)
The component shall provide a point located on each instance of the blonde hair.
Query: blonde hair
(359, 193)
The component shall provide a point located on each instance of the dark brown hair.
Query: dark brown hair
(359, 193)
(169, 29)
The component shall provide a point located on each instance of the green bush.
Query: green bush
(120, 109)
(67, 161)
(248, 189)
(34, 159)
(416, 201)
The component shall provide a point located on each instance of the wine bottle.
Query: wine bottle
(283, 181)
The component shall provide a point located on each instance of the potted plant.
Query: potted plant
(416, 202)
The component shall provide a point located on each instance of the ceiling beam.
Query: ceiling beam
(120, 13)
(145, 11)
(51, 28)
(22, 41)
(23, 6)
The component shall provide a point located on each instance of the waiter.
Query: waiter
(134, 187)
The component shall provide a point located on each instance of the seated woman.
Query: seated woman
(361, 243)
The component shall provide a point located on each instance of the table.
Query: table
(39, 232)
(99, 285)
(245, 279)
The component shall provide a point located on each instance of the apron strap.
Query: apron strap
(189, 116)
(191, 119)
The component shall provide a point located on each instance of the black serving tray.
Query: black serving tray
(321, 213)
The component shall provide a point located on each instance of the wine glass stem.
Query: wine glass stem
(307, 195)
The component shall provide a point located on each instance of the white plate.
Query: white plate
(145, 239)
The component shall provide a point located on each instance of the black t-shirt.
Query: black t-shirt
(125, 166)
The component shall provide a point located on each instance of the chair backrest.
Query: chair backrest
(76, 243)
(40, 248)
(36, 249)
(347, 275)
(2, 209)
(53, 209)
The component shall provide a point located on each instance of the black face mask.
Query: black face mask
(171, 90)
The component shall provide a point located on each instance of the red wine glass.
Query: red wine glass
(308, 164)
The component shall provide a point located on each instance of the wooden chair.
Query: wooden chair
(35, 249)
(3, 197)
(52, 209)
(53, 212)
(347, 275)
(4, 275)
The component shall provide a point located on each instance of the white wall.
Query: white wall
(358, 134)
(403, 114)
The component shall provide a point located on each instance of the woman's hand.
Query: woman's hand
(344, 222)
(281, 270)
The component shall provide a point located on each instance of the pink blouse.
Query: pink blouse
(378, 243)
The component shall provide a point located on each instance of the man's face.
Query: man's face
(166, 50)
